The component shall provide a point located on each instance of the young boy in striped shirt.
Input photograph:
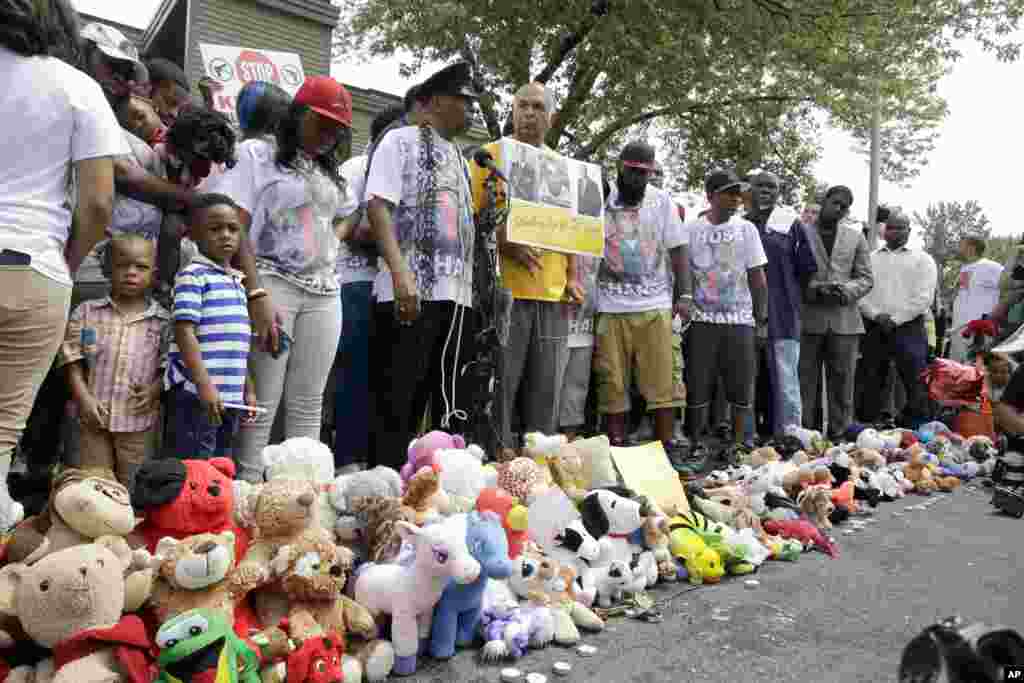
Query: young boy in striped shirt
(207, 367)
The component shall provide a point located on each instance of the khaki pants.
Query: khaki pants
(33, 315)
(635, 345)
(119, 452)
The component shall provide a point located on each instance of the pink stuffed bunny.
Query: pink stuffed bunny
(421, 452)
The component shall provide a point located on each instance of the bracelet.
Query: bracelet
(685, 297)
(257, 293)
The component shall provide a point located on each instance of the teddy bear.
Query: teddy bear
(311, 573)
(657, 541)
(380, 481)
(421, 451)
(317, 657)
(424, 495)
(568, 470)
(867, 457)
(816, 504)
(198, 572)
(544, 582)
(304, 458)
(463, 476)
(181, 498)
(73, 602)
(523, 478)
(917, 472)
(83, 505)
(381, 540)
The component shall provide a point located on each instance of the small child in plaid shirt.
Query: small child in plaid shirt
(114, 354)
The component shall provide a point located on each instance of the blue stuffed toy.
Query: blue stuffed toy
(457, 613)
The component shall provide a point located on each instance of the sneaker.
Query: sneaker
(688, 461)
(643, 433)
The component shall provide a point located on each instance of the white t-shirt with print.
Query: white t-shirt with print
(720, 256)
(356, 264)
(51, 116)
(395, 176)
(978, 293)
(293, 214)
(636, 273)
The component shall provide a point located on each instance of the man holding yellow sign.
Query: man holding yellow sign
(541, 282)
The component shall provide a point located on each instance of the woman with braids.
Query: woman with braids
(293, 200)
(421, 213)
(54, 122)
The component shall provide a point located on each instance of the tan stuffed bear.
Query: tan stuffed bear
(383, 542)
(196, 573)
(816, 503)
(280, 511)
(72, 601)
(917, 472)
(570, 471)
(83, 505)
(312, 575)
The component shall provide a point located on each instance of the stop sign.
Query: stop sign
(255, 66)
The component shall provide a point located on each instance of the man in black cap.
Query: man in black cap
(420, 209)
(643, 280)
(730, 299)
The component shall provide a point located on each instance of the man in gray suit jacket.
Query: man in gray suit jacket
(832, 323)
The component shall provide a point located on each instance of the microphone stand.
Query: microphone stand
(493, 307)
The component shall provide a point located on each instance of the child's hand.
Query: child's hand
(250, 400)
(92, 413)
(209, 397)
(144, 399)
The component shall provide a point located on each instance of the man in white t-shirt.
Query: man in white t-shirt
(643, 279)
(977, 294)
(728, 262)
(420, 208)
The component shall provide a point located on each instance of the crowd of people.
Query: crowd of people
(172, 285)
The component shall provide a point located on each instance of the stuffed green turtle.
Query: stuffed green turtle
(200, 646)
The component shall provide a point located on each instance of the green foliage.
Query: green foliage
(745, 82)
(942, 226)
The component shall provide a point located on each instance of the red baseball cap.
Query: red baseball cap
(326, 97)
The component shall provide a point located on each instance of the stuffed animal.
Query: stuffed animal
(463, 476)
(457, 613)
(947, 484)
(311, 574)
(309, 460)
(616, 519)
(317, 658)
(887, 485)
(816, 503)
(200, 645)
(197, 573)
(917, 472)
(281, 511)
(424, 495)
(508, 630)
(382, 540)
(656, 540)
(182, 498)
(514, 517)
(83, 506)
(845, 496)
(867, 457)
(409, 592)
(574, 547)
(703, 564)
(422, 450)
(544, 582)
(569, 471)
(763, 456)
(785, 549)
(542, 449)
(72, 601)
(379, 482)
(803, 531)
(523, 478)
(613, 581)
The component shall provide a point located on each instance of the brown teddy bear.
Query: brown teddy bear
(383, 542)
(816, 503)
(917, 472)
(196, 573)
(312, 573)
(73, 602)
(867, 457)
(83, 505)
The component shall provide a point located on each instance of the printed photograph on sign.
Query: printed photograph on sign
(590, 195)
(522, 168)
(555, 182)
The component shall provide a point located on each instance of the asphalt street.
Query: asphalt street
(817, 619)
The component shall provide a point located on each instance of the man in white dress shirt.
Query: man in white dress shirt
(894, 317)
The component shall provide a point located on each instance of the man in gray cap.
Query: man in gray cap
(894, 313)
(643, 280)
(420, 208)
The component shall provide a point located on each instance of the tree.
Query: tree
(728, 81)
(942, 226)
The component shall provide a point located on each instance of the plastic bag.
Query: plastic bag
(954, 384)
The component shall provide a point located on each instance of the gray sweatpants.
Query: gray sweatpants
(533, 363)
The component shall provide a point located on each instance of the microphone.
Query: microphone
(484, 159)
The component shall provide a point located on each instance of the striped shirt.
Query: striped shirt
(213, 299)
(119, 352)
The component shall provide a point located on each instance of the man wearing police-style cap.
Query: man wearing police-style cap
(420, 209)
(643, 280)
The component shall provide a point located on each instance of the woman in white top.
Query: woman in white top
(293, 200)
(55, 125)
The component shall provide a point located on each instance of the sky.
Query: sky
(984, 101)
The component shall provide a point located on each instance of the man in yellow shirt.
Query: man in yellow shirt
(542, 284)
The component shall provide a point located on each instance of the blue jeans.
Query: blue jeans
(352, 396)
(190, 436)
(785, 366)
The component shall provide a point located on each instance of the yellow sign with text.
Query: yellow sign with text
(554, 228)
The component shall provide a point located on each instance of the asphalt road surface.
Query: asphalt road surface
(816, 620)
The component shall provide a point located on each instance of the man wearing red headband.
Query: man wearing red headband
(642, 281)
